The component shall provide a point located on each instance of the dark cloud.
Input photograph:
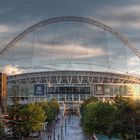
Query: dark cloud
(123, 15)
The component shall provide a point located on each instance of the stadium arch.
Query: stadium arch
(71, 87)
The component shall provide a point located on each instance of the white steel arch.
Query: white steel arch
(70, 18)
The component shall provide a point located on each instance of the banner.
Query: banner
(39, 89)
(99, 89)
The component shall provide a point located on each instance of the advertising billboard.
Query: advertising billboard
(39, 89)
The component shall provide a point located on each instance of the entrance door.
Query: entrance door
(69, 97)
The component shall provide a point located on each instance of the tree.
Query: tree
(124, 117)
(120, 116)
(14, 118)
(1, 130)
(36, 117)
(45, 106)
(53, 110)
(54, 105)
(87, 101)
(24, 119)
(97, 117)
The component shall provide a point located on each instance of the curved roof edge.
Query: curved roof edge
(89, 77)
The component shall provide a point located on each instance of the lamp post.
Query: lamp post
(54, 132)
(61, 125)
(134, 128)
(61, 132)
(65, 126)
(134, 131)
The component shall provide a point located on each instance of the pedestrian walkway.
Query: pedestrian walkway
(73, 129)
(67, 128)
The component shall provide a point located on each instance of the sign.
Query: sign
(39, 89)
(99, 89)
(68, 90)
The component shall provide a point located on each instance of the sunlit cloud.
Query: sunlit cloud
(11, 70)
(133, 61)
(133, 65)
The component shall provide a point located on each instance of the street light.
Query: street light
(134, 128)
(61, 132)
(54, 131)
(61, 125)
(65, 126)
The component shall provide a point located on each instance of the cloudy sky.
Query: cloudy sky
(122, 15)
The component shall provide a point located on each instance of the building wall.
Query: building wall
(3, 91)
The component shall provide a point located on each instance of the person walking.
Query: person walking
(48, 137)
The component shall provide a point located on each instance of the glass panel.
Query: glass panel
(82, 97)
(69, 97)
(76, 97)
(61, 97)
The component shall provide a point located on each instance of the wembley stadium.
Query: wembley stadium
(70, 59)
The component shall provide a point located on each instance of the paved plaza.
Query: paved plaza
(66, 129)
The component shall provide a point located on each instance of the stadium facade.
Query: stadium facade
(70, 86)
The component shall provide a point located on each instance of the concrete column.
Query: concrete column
(72, 97)
(58, 97)
(65, 97)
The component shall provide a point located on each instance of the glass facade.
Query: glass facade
(26, 92)
(121, 90)
(68, 90)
